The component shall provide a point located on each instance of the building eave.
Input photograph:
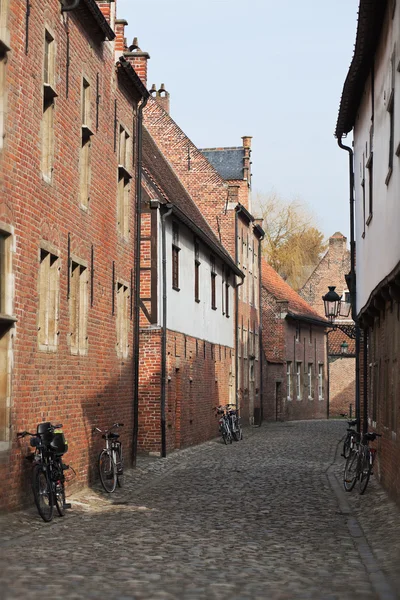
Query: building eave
(370, 20)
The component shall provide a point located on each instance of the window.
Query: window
(297, 332)
(390, 109)
(310, 381)
(5, 274)
(124, 178)
(49, 94)
(298, 380)
(363, 195)
(310, 334)
(369, 166)
(123, 320)
(197, 272)
(213, 284)
(289, 380)
(2, 97)
(175, 256)
(227, 286)
(78, 302)
(86, 134)
(321, 382)
(49, 285)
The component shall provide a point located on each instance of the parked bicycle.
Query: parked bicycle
(351, 440)
(48, 480)
(224, 424)
(111, 462)
(359, 464)
(234, 422)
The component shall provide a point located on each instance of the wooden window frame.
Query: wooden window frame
(78, 307)
(48, 294)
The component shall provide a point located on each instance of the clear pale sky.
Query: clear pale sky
(273, 70)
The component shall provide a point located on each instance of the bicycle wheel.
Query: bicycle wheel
(350, 471)
(228, 433)
(365, 471)
(107, 471)
(42, 492)
(346, 447)
(237, 433)
(223, 434)
(120, 466)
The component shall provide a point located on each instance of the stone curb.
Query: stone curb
(379, 580)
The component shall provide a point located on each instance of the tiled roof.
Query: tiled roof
(163, 178)
(336, 338)
(282, 291)
(227, 161)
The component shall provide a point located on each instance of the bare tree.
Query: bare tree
(293, 245)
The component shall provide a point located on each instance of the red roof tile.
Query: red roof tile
(275, 285)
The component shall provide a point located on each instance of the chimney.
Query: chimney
(138, 60)
(120, 42)
(107, 7)
(246, 159)
(161, 96)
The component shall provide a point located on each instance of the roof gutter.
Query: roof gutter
(311, 320)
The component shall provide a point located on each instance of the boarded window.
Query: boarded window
(49, 282)
(78, 309)
(123, 320)
(49, 94)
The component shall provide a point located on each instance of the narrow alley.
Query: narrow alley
(262, 518)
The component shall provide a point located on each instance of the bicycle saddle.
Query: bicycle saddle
(110, 436)
(352, 423)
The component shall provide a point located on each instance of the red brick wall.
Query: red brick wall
(79, 391)
(342, 388)
(198, 379)
(279, 344)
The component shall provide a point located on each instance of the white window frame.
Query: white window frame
(289, 379)
(320, 381)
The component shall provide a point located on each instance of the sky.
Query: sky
(272, 70)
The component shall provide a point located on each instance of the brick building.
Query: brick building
(369, 108)
(68, 120)
(188, 287)
(331, 271)
(224, 203)
(293, 353)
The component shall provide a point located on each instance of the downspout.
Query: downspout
(260, 332)
(136, 324)
(237, 313)
(353, 290)
(164, 332)
(72, 6)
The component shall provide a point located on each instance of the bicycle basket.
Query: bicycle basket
(45, 432)
(59, 444)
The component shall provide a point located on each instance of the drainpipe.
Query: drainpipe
(237, 312)
(72, 6)
(136, 325)
(164, 332)
(353, 290)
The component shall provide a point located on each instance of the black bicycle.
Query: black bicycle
(359, 464)
(234, 422)
(351, 440)
(48, 480)
(111, 462)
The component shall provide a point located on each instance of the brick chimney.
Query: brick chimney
(120, 41)
(108, 9)
(138, 60)
(246, 159)
(161, 96)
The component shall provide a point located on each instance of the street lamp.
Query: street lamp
(344, 347)
(331, 303)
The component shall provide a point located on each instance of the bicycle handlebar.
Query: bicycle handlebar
(107, 430)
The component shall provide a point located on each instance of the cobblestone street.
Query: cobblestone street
(264, 518)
